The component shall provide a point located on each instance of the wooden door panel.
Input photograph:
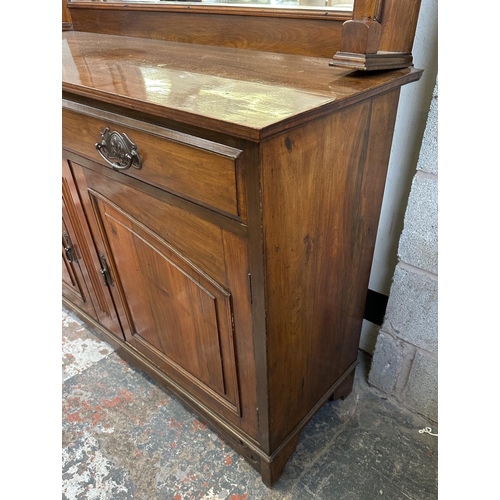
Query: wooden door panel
(178, 316)
(198, 239)
(68, 278)
(73, 282)
(103, 309)
(71, 273)
(68, 273)
(209, 262)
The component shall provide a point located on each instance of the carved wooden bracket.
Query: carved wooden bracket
(380, 35)
(361, 37)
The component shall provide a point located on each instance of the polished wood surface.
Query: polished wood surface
(66, 17)
(320, 226)
(399, 23)
(216, 218)
(238, 256)
(167, 263)
(202, 171)
(367, 10)
(74, 285)
(375, 27)
(379, 36)
(233, 9)
(380, 61)
(88, 261)
(176, 315)
(316, 35)
(190, 235)
(247, 94)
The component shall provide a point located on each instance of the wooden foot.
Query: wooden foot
(272, 469)
(344, 389)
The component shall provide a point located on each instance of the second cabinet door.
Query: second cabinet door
(74, 286)
(177, 316)
(82, 283)
(181, 287)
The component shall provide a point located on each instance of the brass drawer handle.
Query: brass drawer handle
(115, 146)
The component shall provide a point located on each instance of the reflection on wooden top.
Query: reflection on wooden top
(245, 93)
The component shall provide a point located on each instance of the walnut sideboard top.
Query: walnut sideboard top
(244, 93)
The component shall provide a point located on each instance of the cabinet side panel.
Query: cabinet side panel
(322, 192)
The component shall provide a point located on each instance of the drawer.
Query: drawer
(196, 169)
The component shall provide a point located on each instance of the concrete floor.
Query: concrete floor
(124, 437)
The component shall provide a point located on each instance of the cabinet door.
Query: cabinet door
(83, 283)
(180, 284)
(74, 286)
(176, 313)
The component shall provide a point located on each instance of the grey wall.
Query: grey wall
(408, 133)
(405, 362)
(410, 125)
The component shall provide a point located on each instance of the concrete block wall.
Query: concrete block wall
(405, 360)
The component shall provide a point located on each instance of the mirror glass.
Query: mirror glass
(330, 5)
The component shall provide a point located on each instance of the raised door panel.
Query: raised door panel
(180, 284)
(73, 282)
(74, 285)
(89, 280)
(177, 316)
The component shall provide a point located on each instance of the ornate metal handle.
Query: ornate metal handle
(68, 249)
(106, 275)
(115, 146)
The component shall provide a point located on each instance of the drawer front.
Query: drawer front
(196, 169)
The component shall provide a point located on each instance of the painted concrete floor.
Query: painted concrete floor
(124, 437)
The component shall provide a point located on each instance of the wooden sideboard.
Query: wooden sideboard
(220, 210)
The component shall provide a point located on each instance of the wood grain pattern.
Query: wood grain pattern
(247, 94)
(322, 192)
(367, 9)
(184, 231)
(399, 23)
(237, 265)
(66, 16)
(225, 223)
(380, 30)
(265, 10)
(176, 314)
(243, 291)
(362, 37)
(167, 248)
(318, 37)
(74, 271)
(194, 169)
(381, 61)
(88, 259)
(74, 286)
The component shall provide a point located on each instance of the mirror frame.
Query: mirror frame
(376, 35)
(308, 12)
